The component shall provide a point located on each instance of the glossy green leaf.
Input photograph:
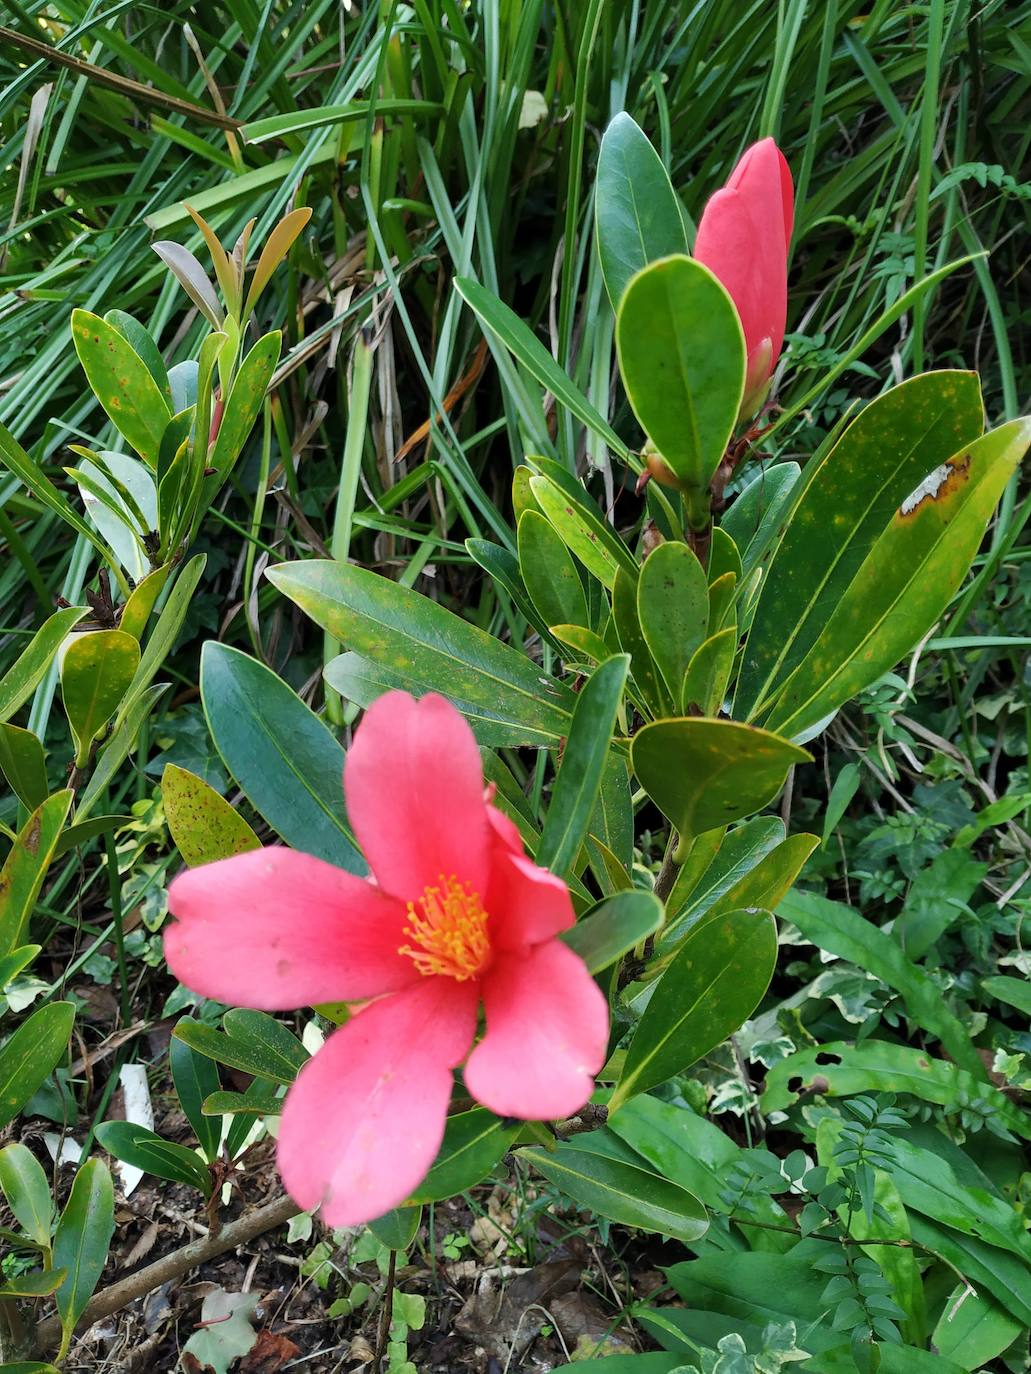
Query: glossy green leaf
(839, 1069)
(839, 510)
(637, 214)
(584, 643)
(646, 675)
(696, 1154)
(40, 1283)
(492, 684)
(474, 1142)
(122, 739)
(196, 1079)
(906, 581)
(249, 1103)
(753, 519)
(840, 930)
(673, 610)
(583, 761)
(284, 758)
(141, 341)
(723, 557)
(766, 884)
(506, 326)
(14, 457)
(203, 825)
(23, 764)
(581, 528)
(503, 567)
(11, 964)
(615, 926)
(244, 405)
(250, 1041)
(143, 1149)
(1015, 992)
(397, 1229)
(121, 500)
(136, 611)
(708, 673)
(713, 984)
(165, 632)
(96, 673)
(549, 573)
(682, 359)
(27, 1190)
(621, 1191)
(29, 1055)
(22, 679)
(721, 603)
(121, 382)
(82, 1240)
(972, 1329)
(612, 821)
(26, 866)
(706, 773)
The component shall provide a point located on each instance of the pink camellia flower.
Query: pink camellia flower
(743, 238)
(455, 915)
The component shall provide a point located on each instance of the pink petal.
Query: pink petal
(505, 830)
(414, 786)
(276, 930)
(527, 904)
(364, 1119)
(547, 1033)
(743, 238)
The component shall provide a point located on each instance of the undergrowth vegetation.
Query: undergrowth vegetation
(425, 468)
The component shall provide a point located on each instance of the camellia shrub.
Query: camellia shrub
(498, 970)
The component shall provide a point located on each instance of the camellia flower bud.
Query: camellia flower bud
(743, 239)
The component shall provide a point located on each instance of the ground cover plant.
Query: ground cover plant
(515, 709)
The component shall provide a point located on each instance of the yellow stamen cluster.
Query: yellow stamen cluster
(448, 931)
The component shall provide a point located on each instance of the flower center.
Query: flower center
(448, 931)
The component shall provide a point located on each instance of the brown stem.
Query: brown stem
(134, 90)
(386, 1315)
(125, 1291)
(668, 872)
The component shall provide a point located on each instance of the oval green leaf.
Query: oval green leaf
(203, 825)
(682, 359)
(96, 673)
(673, 610)
(122, 383)
(706, 773)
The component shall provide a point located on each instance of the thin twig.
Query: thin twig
(386, 1315)
(124, 85)
(197, 1252)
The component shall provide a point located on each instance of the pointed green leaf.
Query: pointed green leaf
(474, 1142)
(82, 1241)
(30, 1055)
(716, 980)
(244, 405)
(583, 762)
(839, 509)
(144, 1149)
(905, 582)
(27, 1190)
(288, 763)
(203, 825)
(22, 679)
(23, 764)
(637, 214)
(121, 382)
(427, 648)
(614, 927)
(26, 866)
